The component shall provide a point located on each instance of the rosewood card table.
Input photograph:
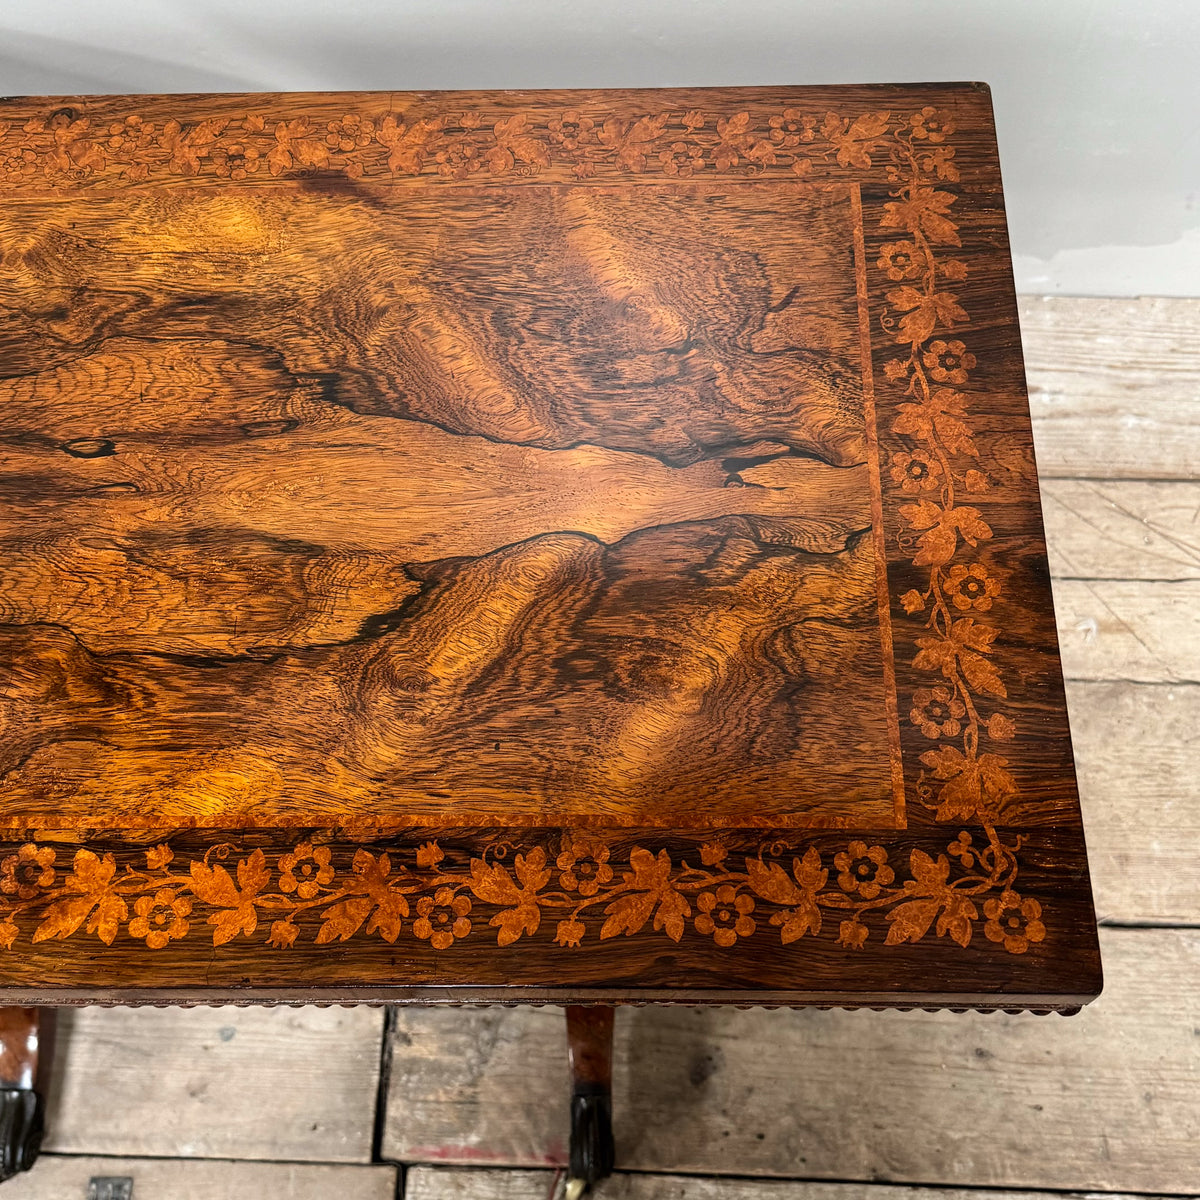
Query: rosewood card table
(522, 547)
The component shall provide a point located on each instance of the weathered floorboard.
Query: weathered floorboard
(67, 1178)
(1113, 386)
(1137, 748)
(1147, 632)
(449, 1183)
(296, 1084)
(1122, 529)
(1104, 1100)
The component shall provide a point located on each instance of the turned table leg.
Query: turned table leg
(26, 1035)
(589, 1043)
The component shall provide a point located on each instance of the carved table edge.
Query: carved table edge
(540, 998)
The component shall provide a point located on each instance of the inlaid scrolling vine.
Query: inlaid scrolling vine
(156, 899)
(71, 146)
(964, 778)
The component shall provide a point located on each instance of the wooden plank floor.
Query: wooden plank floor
(728, 1105)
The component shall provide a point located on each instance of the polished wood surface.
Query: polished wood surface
(443, 533)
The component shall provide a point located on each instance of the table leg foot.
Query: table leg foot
(22, 1122)
(24, 1070)
(589, 1041)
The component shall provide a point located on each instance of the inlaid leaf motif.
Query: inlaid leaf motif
(796, 922)
(297, 145)
(735, 140)
(956, 917)
(632, 140)
(943, 527)
(962, 649)
(925, 311)
(514, 144)
(389, 904)
(856, 141)
(925, 211)
(910, 922)
(672, 914)
(188, 147)
(650, 886)
(409, 145)
(974, 788)
(929, 875)
(940, 415)
(769, 881)
(91, 880)
(805, 917)
(235, 902)
(344, 919)
(627, 914)
(106, 920)
(493, 884)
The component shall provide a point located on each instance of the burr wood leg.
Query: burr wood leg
(589, 1042)
(26, 1036)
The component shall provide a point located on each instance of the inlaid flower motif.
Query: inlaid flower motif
(915, 472)
(571, 130)
(584, 866)
(352, 132)
(442, 917)
(236, 160)
(863, 869)
(19, 163)
(948, 362)
(930, 124)
(936, 712)
(28, 871)
(128, 135)
(682, 159)
(900, 260)
(458, 159)
(791, 127)
(725, 915)
(160, 918)
(1013, 921)
(971, 587)
(305, 870)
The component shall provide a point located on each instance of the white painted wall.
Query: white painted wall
(1097, 101)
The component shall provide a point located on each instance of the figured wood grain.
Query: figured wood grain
(1113, 386)
(1105, 1100)
(451, 1183)
(290, 1084)
(67, 1178)
(448, 485)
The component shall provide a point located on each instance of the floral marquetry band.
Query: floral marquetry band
(69, 146)
(571, 891)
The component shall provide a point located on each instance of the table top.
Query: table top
(521, 546)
